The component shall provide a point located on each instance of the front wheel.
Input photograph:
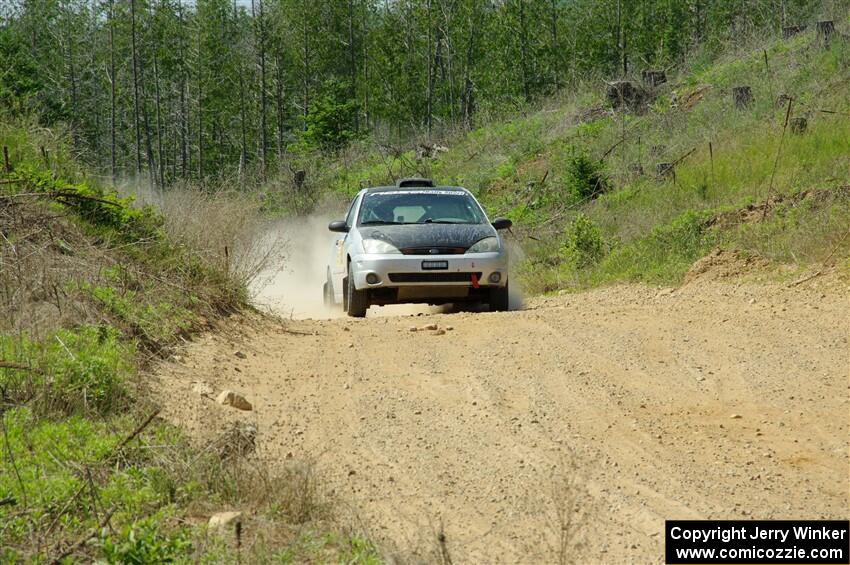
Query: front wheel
(357, 301)
(499, 299)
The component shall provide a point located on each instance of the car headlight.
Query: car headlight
(486, 245)
(378, 246)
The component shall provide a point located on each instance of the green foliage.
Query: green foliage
(362, 552)
(21, 84)
(155, 323)
(47, 458)
(242, 84)
(311, 548)
(584, 245)
(72, 371)
(100, 208)
(331, 120)
(660, 257)
(144, 543)
(586, 178)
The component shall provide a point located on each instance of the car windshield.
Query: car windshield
(420, 207)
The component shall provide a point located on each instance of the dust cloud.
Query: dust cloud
(293, 289)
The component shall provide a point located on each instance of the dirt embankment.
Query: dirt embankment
(607, 412)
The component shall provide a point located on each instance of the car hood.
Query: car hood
(429, 235)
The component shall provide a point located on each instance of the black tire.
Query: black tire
(500, 299)
(357, 301)
(328, 294)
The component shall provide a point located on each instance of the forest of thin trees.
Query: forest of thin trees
(189, 89)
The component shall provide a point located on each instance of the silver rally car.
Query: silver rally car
(416, 243)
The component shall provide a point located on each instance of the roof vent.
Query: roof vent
(412, 182)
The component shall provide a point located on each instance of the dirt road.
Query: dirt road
(621, 407)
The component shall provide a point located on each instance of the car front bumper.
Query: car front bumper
(397, 271)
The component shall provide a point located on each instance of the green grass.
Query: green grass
(326, 548)
(77, 371)
(50, 462)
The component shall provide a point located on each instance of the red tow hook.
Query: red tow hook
(475, 281)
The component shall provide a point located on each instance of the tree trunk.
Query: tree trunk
(112, 89)
(279, 103)
(158, 109)
(146, 124)
(306, 64)
(467, 101)
(258, 16)
(365, 66)
(200, 107)
(75, 110)
(523, 52)
(185, 134)
(352, 63)
(430, 92)
(135, 88)
(243, 150)
(619, 44)
(449, 66)
(556, 49)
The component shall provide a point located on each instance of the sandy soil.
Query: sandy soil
(620, 407)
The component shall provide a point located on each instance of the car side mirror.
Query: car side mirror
(502, 223)
(338, 226)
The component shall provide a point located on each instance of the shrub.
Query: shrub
(331, 119)
(584, 245)
(682, 239)
(143, 542)
(586, 177)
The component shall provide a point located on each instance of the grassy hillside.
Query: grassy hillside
(93, 290)
(542, 169)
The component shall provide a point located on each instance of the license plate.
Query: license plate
(434, 265)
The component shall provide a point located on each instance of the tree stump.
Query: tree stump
(626, 94)
(654, 78)
(791, 31)
(664, 169)
(826, 29)
(799, 125)
(299, 177)
(743, 96)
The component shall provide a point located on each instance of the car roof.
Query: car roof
(375, 189)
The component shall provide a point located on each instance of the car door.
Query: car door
(340, 248)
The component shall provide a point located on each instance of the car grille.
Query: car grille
(432, 277)
(434, 250)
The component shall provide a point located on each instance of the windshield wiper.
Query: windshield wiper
(382, 223)
(430, 221)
